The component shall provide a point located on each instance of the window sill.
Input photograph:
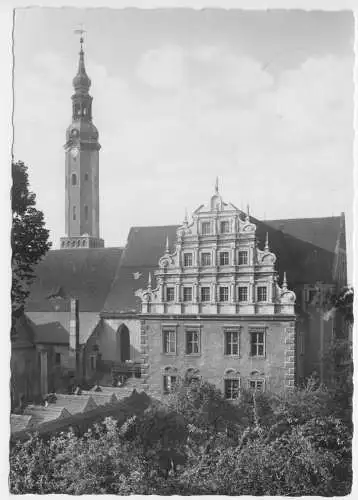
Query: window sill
(169, 353)
(235, 356)
(258, 357)
(193, 355)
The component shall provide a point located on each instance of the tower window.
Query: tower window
(74, 179)
(86, 212)
(86, 176)
(74, 212)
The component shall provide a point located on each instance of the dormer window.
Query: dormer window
(205, 228)
(224, 227)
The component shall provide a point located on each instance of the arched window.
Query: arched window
(74, 179)
(86, 212)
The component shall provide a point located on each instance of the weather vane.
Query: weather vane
(80, 31)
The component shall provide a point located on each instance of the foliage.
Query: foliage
(29, 237)
(290, 444)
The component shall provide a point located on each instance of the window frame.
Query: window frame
(169, 388)
(230, 381)
(227, 224)
(207, 255)
(257, 331)
(172, 342)
(261, 288)
(58, 358)
(187, 288)
(227, 259)
(187, 254)
(243, 287)
(201, 293)
(240, 254)
(222, 298)
(227, 332)
(206, 224)
(192, 331)
(172, 289)
(254, 380)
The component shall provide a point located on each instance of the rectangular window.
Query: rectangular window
(205, 294)
(206, 259)
(205, 228)
(224, 258)
(256, 385)
(74, 212)
(187, 294)
(192, 342)
(188, 260)
(169, 382)
(223, 294)
(224, 227)
(232, 343)
(93, 362)
(243, 293)
(170, 294)
(243, 257)
(57, 358)
(232, 388)
(257, 344)
(261, 294)
(169, 341)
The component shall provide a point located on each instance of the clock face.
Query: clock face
(74, 153)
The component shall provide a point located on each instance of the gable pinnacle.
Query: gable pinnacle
(167, 245)
(186, 221)
(149, 281)
(217, 185)
(284, 282)
(267, 248)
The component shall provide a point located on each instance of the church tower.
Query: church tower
(82, 168)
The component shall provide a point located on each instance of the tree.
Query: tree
(29, 237)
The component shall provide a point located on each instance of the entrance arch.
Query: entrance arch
(123, 343)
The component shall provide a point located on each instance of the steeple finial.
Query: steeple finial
(217, 185)
(284, 282)
(167, 245)
(81, 81)
(149, 281)
(267, 248)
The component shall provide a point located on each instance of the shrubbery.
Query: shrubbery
(199, 443)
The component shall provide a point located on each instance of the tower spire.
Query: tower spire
(81, 81)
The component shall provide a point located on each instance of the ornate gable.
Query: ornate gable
(216, 267)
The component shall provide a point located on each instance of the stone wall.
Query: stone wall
(276, 367)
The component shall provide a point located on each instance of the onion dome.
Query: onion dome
(81, 81)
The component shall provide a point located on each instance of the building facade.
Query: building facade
(216, 308)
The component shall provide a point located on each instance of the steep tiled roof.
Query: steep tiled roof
(144, 247)
(321, 232)
(51, 333)
(74, 403)
(304, 249)
(82, 273)
(102, 398)
(88, 321)
(42, 414)
(19, 422)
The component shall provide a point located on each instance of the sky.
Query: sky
(263, 100)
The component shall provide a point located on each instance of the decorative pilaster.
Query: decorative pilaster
(144, 349)
(290, 356)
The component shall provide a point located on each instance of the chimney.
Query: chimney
(74, 350)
